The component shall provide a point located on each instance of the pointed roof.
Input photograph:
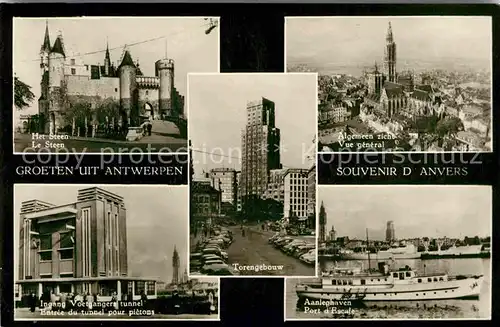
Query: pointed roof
(46, 39)
(58, 46)
(107, 56)
(127, 60)
(389, 36)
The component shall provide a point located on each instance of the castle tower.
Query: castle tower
(43, 101)
(165, 71)
(390, 56)
(322, 223)
(45, 50)
(128, 88)
(57, 57)
(175, 266)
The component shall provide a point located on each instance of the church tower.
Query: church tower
(107, 61)
(322, 223)
(175, 266)
(390, 56)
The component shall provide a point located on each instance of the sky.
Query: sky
(345, 41)
(185, 41)
(157, 219)
(217, 116)
(417, 211)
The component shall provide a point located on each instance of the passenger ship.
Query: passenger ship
(385, 285)
(409, 251)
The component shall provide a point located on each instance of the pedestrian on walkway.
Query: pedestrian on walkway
(32, 302)
(150, 126)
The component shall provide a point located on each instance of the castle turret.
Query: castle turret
(165, 71)
(127, 74)
(57, 57)
(45, 50)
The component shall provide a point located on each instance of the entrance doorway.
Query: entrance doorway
(149, 110)
(52, 123)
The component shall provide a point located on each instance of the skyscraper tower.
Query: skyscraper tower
(175, 266)
(260, 149)
(390, 234)
(390, 56)
(322, 223)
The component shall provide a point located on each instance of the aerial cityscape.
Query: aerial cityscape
(410, 98)
(250, 187)
(94, 93)
(437, 254)
(89, 257)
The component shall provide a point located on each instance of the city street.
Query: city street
(254, 249)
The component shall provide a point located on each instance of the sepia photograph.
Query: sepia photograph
(107, 84)
(253, 174)
(106, 252)
(399, 252)
(397, 84)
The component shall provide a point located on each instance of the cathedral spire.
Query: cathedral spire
(46, 38)
(389, 36)
(107, 60)
(107, 57)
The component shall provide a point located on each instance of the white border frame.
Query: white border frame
(490, 187)
(316, 265)
(69, 152)
(493, 132)
(15, 248)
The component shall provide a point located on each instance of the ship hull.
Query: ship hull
(381, 256)
(452, 289)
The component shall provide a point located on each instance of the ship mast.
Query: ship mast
(367, 248)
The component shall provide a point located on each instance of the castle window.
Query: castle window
(73, 71)
(147, 92)
(72, 62)
(116, 90)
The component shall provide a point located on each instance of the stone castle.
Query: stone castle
(67, 81)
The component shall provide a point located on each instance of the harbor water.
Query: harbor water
(440, 309)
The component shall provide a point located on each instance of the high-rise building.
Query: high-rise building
(260, 149)
(175, 266)
(390, 56)
(311, 193)
(78, 247)
(322, 224)
(276, 185)
(390, 234)
(295, 189)
(224, 180)
(238, 191)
